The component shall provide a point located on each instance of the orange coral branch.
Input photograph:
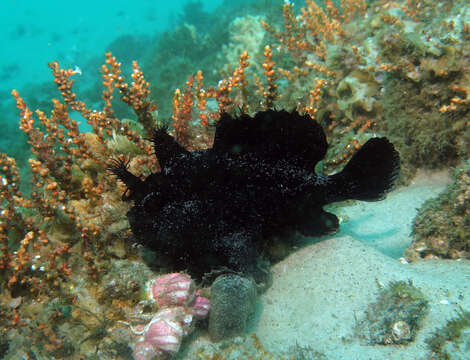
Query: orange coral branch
(135, 95)
(268, 66)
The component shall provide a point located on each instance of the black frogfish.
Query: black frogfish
(218, 207)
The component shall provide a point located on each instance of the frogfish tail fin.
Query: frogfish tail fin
(369, 175)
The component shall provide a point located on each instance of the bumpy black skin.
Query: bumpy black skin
(216, 208)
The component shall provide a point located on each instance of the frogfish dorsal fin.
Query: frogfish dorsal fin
(166, 147)
(273, 134)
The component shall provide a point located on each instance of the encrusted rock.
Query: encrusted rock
(396, 316)
(125, 280)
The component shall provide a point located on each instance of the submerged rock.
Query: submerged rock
(396, 316)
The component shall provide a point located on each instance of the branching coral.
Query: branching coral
(369, 57)
(399, 68)
(65, 235)
(67, 229)
(322, 56)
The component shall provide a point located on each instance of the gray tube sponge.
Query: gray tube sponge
(233, 301)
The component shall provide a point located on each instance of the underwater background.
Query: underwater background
(83, 85)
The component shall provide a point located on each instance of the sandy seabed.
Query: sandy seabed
(321, 291)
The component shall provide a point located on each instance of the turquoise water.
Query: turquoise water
(35, 32)
(76, 35)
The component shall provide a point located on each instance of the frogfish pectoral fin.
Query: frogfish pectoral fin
(323, 223)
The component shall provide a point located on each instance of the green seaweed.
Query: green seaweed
(451, 332)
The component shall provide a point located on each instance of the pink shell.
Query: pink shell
(172, 289)
(174, 313)
(179, 314)
(164, 334)
(144, 350)
(201, 307)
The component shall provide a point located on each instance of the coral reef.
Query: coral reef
(125, 280)
(60, 243)
(200, 43)
(70, 274)
(65, 249)
(396, 315)
(428, 123)
(369, 57)
(246, 34)
(349, 67)
(442, 226)
(66, 253)
(356, 95)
